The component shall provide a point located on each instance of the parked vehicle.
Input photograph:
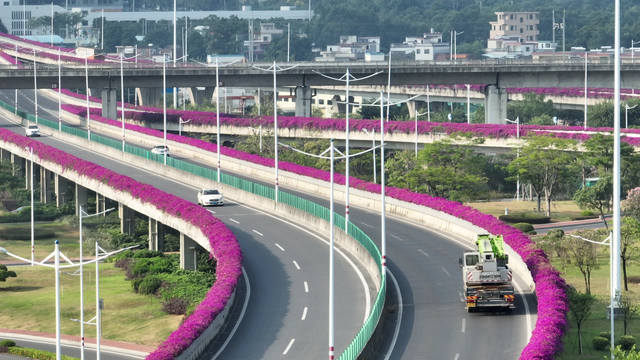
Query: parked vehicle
(486, 275)
(208, 197)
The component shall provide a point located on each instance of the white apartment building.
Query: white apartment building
(352, 48)
(423, 48)
(522, 24)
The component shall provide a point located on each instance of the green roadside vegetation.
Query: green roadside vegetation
(564, 210)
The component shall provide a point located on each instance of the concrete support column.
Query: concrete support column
(188, 253)
(411, 105)
(127, 219)
(5, 155)
(60, 188)
(495, 108)
(46, 177)
(336, 107)
(17, 165)
(156, 235)
(149, 96)
(81, 198)
(100, 204)
(303, 101)
(110, 103)
(198, 96)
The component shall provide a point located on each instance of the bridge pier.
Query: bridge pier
(100, 204)
(336, 107)
(495, 108)
(198, 96)
(60, 189)
(46, 196)
(156, 235)
(81, 198)
(413, 106)
(17, 165)
(149, 96)
(110, 103)
(127, 219)
(303, 101)
(188, 253)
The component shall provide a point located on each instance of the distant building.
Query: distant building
(427, 47)
(522, 24)
(351, 48)
(262, 39)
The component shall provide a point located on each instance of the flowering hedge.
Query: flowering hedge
(8, 58)
(223, 242)
(546, 340)
(17, 38)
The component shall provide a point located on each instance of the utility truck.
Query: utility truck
(486, 275)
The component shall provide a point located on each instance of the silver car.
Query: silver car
(32, 130)
(160, 150)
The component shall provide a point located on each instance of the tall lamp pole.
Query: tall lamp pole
(615, 243)
(122, 94)
(31, 177)
(626, 114)
(586, 56)
(164, 105)
(59, 93)
(175, 53)
(468, 103)
(35, 82)
(347, 77)
(517, 122)
(86, 74)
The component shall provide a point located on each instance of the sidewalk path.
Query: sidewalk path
(119, 347)
(567, 223)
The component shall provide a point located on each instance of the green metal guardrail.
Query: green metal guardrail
(357, 345)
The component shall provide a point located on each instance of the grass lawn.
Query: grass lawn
(28, 301)
(598, 321)
(67, 235)
(560, 210)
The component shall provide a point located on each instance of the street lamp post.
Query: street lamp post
(347, 77)
(633, 51)
(586, 56)
(455, 46)
(31, 177)
(517, 122)
(35, 82)
(175, 53)
(102, 30)
(615, 243)
(260, 130)
(275, 68)
(288, 39)
(626, 114)
(86, 72)
(180, 123)
(332, 149)
(164, 106)
(122, 93)
(59, 93)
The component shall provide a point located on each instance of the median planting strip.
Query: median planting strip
(224, 245)
(551, 324)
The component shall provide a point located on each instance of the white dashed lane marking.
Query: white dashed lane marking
(306, 287)
(237, 222)
(257, 232)
(296, 264)
(279, 247)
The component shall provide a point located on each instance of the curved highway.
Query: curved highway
(430, 321)
(287, 312)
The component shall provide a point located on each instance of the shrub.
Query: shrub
(7, 343)
(606, 335)
(600, 343)
(175, 306)
(135, 284)
(127, 254)
(147, 254)
(149, 285)
(36, 354)
(124, 264)
(152, 266)
(586, 213)
(522, 218)
(626, 342)
(575, 218)
(4, 349)
(524, 227)
(24, 233)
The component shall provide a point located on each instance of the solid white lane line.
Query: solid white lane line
(399, 323)
(296, 264)
(288, 347)
(306, 287)
(257, 232)
(464, 324)
(279, 247)
(424, 253)
(366, 224)
(304, 313)
(456, 357)
(445, 270)
(526, 309)
(244, 309)
(395, 237)
(237, 222)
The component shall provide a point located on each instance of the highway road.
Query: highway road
(431, 320)
(287, 312)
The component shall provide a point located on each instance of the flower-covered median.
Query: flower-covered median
(546, 340)
(224, 245)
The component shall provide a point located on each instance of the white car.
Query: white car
(32, 130)
(210, 197)
(160, 150)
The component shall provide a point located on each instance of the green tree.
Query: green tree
(631, 205)
(544, 162)
(543, 119)
(596, 197)
(620, 354)
(398, 166)
(530, 107)
(628, 309)
(449, 168)
(478, 116)
(196, 47)
(584, 254)
(299, 48)
(600, 114)
(629, 235)
(6, 273)
(581, 305)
